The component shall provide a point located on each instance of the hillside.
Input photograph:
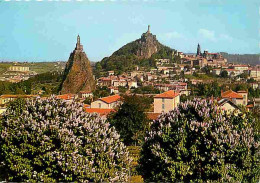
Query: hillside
(141, 52)
(252, 59)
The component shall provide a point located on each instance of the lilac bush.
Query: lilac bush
(199, 142)
(51, 140)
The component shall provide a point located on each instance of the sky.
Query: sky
(46, 30)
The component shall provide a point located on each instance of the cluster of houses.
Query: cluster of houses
(161, 78)
(238, 69)
(17, 73)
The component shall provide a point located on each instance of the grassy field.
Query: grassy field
(39, 67)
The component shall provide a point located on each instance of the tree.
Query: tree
(199, 142)
(224, 74)
(54, 141)
(88, 100)
(130, 119)
(101, 92)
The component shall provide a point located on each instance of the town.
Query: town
(129, 91)
(166, 83)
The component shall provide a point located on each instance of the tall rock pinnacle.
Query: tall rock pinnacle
(78, 73)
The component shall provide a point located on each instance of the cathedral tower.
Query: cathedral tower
(198, 50)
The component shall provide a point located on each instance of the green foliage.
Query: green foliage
(134, 153)
(55, 141)
(122, 89)
(47, 81)
(253, 93)
(100, 92)
(206, 69)
(208, 90)
(130, 119)
(146, 90)
(125, 58)
(224, 74)
(88, 100)
(198, 142)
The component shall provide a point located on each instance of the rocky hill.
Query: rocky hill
(139, 52)
(78, 72)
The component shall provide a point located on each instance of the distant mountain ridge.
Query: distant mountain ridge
(252, 59)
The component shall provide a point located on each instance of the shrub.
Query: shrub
(198, 142)
(52, 140)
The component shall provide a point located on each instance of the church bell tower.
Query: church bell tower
(198, 50)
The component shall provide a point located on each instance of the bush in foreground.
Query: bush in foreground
(198, 142)
(51, 140)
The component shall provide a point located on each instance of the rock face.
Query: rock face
(148, 45)
(141, 52)
(78, 72)
(142, 48)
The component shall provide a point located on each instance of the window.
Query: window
(162, 106)
(99, 105)
(163, 100)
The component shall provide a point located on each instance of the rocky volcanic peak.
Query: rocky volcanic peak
(148, 45)
(78, 72)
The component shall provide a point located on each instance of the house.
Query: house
(101, 112)
(111, 73)
(241, 67)
(132, 84)
(216, 71)
(162, 61)
(256, 102)
(255, 86)
(166, 101)
(113, 90)
(233, 72)
(255, 73)
(2, 109)
(85, 94)
(109, 102)
(4, 99)
(227, 105)
(69, 97)
(238, 98)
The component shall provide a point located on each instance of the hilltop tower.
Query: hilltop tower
(148, 31)
(79, 47)
(78, 72)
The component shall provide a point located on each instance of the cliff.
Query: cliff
(78, 72)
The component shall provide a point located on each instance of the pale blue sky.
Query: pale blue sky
(46, 31)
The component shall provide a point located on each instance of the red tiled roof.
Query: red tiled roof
(240, 65)
(102, 112)
(250, 106)
(67, 96)
(110, 99)
(183, 84)
(152, 116)
(86, 106)
(168, 94)
(231, 94)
